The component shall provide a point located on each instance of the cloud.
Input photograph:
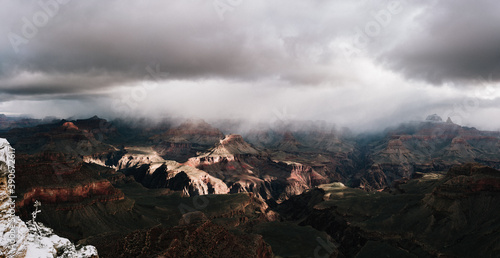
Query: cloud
(247, 60)
(256, 40)
(450, 42)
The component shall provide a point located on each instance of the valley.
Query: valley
(192, 190)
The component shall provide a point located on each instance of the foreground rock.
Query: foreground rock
(32, 239)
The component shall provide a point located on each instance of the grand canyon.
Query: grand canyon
(193, 190)
(249, 128)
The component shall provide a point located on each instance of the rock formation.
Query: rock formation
(32, 239)
(246, 169)
(376, 192)
(452, 215)
(430, 146)
(434, 118)
(152, 171)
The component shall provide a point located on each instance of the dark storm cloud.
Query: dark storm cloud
(119, 41)
(27, 84)
(185, 57)
(452, 41)
(187, 39)
(104, 44)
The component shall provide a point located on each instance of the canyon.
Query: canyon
(350, 194)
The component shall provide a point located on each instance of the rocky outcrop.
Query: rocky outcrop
(152, 171)
(32, 239)
(434, 118)
(106, 159)
(452, 215)
(245, 169)
(374, 179)
(395, 147)
(467, 180)
(232, 145)
(138, 156)
(323, 148)
(38, 241)
(69, 183)
(99, 128)
(72, 197)
(428, 146)
(67, 126)
(302, 177)
(459, 147)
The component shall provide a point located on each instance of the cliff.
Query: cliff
(31, 239)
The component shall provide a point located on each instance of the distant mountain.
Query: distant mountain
(10, 122)
(232, 145)
(434, 118)
(428, 146)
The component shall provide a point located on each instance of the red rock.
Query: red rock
(69, 126)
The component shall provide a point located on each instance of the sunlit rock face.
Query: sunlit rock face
(230, 166)
(247, 169)
(152, 171)
(31, 239)
(54, 179)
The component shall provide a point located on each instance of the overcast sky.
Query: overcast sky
(362, 64)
